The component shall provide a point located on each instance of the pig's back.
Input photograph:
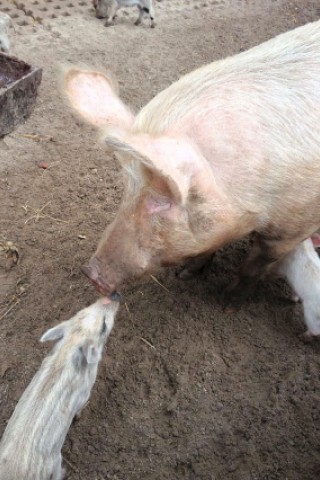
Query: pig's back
(289, 62)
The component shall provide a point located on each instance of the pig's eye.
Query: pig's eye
(104, 327)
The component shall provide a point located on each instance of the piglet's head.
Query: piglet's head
(81, 339)
(164, 216)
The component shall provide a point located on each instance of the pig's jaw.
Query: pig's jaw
(100, 284)
(107, 292)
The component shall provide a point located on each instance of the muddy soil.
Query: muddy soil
(185, 390)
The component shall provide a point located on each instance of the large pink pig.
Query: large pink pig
(230, 149)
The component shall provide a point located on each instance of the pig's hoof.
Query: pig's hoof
(137, 23)
(194, 266)
(188, 272)
(234, 296)
(308, 337)
(230, 310)
(185, 274)
(295, 299)
(109, 24)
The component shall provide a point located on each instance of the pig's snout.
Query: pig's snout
(115, 296)
(93, 272)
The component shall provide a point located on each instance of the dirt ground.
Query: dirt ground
(185, 390)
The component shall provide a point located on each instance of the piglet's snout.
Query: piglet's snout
(93, 272)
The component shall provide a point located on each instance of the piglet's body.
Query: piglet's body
(301, 268)
(30, 448)
(230, 149)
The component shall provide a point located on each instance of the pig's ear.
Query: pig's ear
(138, 165)
(152, 159)
(168, 188)
(94, 96)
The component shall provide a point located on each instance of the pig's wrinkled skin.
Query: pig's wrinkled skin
(230, 149)
(108, 9)
(301, 268)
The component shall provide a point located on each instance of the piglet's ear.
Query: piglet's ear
(55, 333)
(93, 95)
(90, 352)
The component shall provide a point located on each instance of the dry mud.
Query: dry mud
(185, 390)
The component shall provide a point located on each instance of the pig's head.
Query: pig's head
(166, 215)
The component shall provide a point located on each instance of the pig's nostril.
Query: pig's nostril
(115, 297)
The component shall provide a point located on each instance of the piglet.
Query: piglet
(108, 9)
(30, 448)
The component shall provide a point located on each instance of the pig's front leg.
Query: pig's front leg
(194, 266)
(263, 257)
